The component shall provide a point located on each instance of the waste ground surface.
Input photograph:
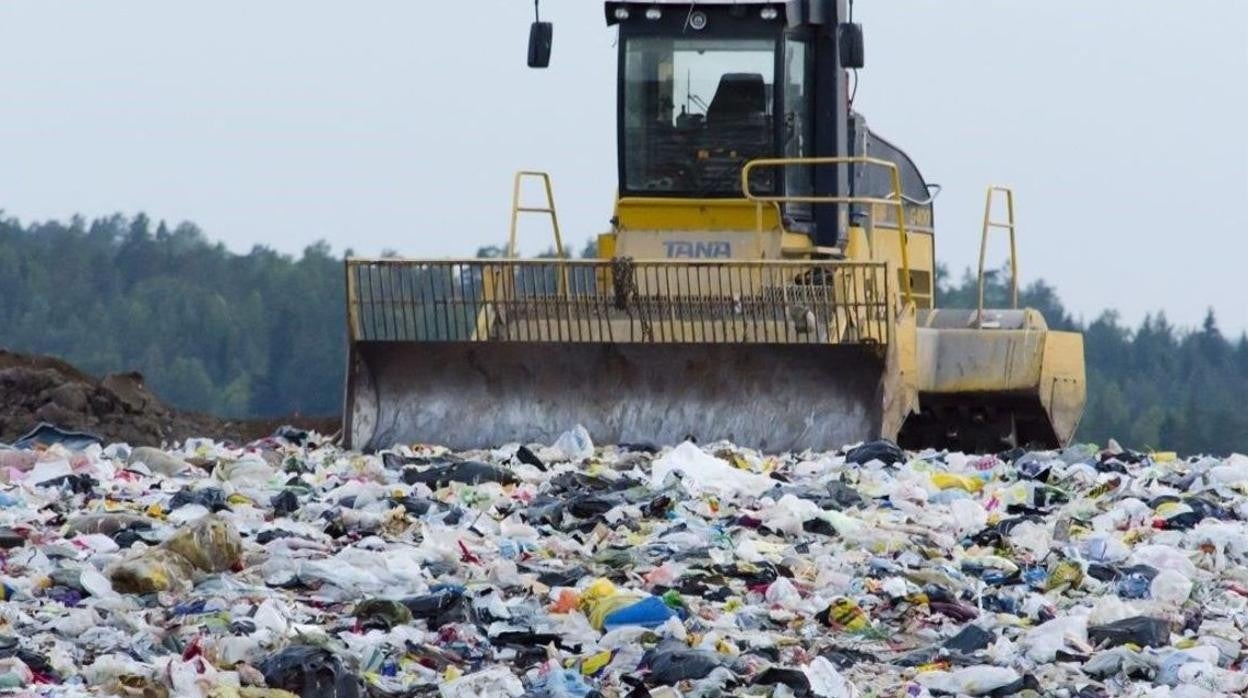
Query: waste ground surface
(269, 562)
(289, 566)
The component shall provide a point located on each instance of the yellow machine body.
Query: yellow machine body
(770, 347)
(750, 315)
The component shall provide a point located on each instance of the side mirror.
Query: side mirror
(849, 38)
(541, 36)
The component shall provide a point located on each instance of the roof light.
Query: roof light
(654, 13)
(621, 13)
(697, 21)
(769, 13)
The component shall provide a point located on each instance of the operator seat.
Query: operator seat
(740, 100)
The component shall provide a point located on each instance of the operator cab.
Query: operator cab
(706, 88)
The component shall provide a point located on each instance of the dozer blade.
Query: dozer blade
(775, 355)
(469, 395)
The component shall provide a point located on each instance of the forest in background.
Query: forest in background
(263, 334)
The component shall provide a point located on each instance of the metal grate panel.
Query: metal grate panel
(620, 300)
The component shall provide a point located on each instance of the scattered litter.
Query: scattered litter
(289, 567)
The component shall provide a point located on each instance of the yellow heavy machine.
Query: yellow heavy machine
(768, 276)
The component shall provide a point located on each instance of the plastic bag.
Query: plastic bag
(883, 451)
(790, 514)
(212, 544)
(1171, 587)
(701, 473)
(1141, 631)
(150, 571)
(972, 681)
(157, 461)
(464, 472)
(574, 445)
(495, 681)
(827, 682)
(310, 672)
(1044, 641)
(211, 498)
(670, 664)
(970, 639)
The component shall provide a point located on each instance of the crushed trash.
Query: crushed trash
(290, 567)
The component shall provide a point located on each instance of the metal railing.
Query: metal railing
(894, 199)
(990, 224)
(619, 300)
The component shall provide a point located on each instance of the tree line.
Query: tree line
(263, 334)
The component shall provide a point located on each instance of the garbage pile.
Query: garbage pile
(292, 567)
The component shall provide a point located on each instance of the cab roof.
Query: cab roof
(787, 8)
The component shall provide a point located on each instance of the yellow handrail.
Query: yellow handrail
(989, 224)
(517, 209)
(895, 199)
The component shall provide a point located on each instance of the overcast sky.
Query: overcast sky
(397, 124)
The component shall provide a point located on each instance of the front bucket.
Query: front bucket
(465, 395)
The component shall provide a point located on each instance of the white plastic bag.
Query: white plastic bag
(495, 681)
(1171, 587)
(826, 681)
(702, 473)
(575, 444)
(971, 680)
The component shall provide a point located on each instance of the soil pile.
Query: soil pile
(117, 408)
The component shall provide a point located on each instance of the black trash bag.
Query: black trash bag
(48, 435)
(840, 496)
(997, 534)
(78, 484)
(10, 539)
(127, 537)
(291, 434)
(883, 450)
(285, 503)
(670, 663)
(1209, 510)
(528, 457)
(658, 507)
(439, 608)
(466, 472)
(310, 672)
(846, 657)
(210, 497)
(545, 510)
(1104, 573)
(970, 639)
(821, 527)
(271, 534)
(795, 679)
(576, 482)
(1141, 630)
(414, 505)
(565, 577)
(592, 505)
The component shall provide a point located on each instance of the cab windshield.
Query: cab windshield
(695, 110)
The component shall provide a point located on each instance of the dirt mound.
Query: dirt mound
(119, 407)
